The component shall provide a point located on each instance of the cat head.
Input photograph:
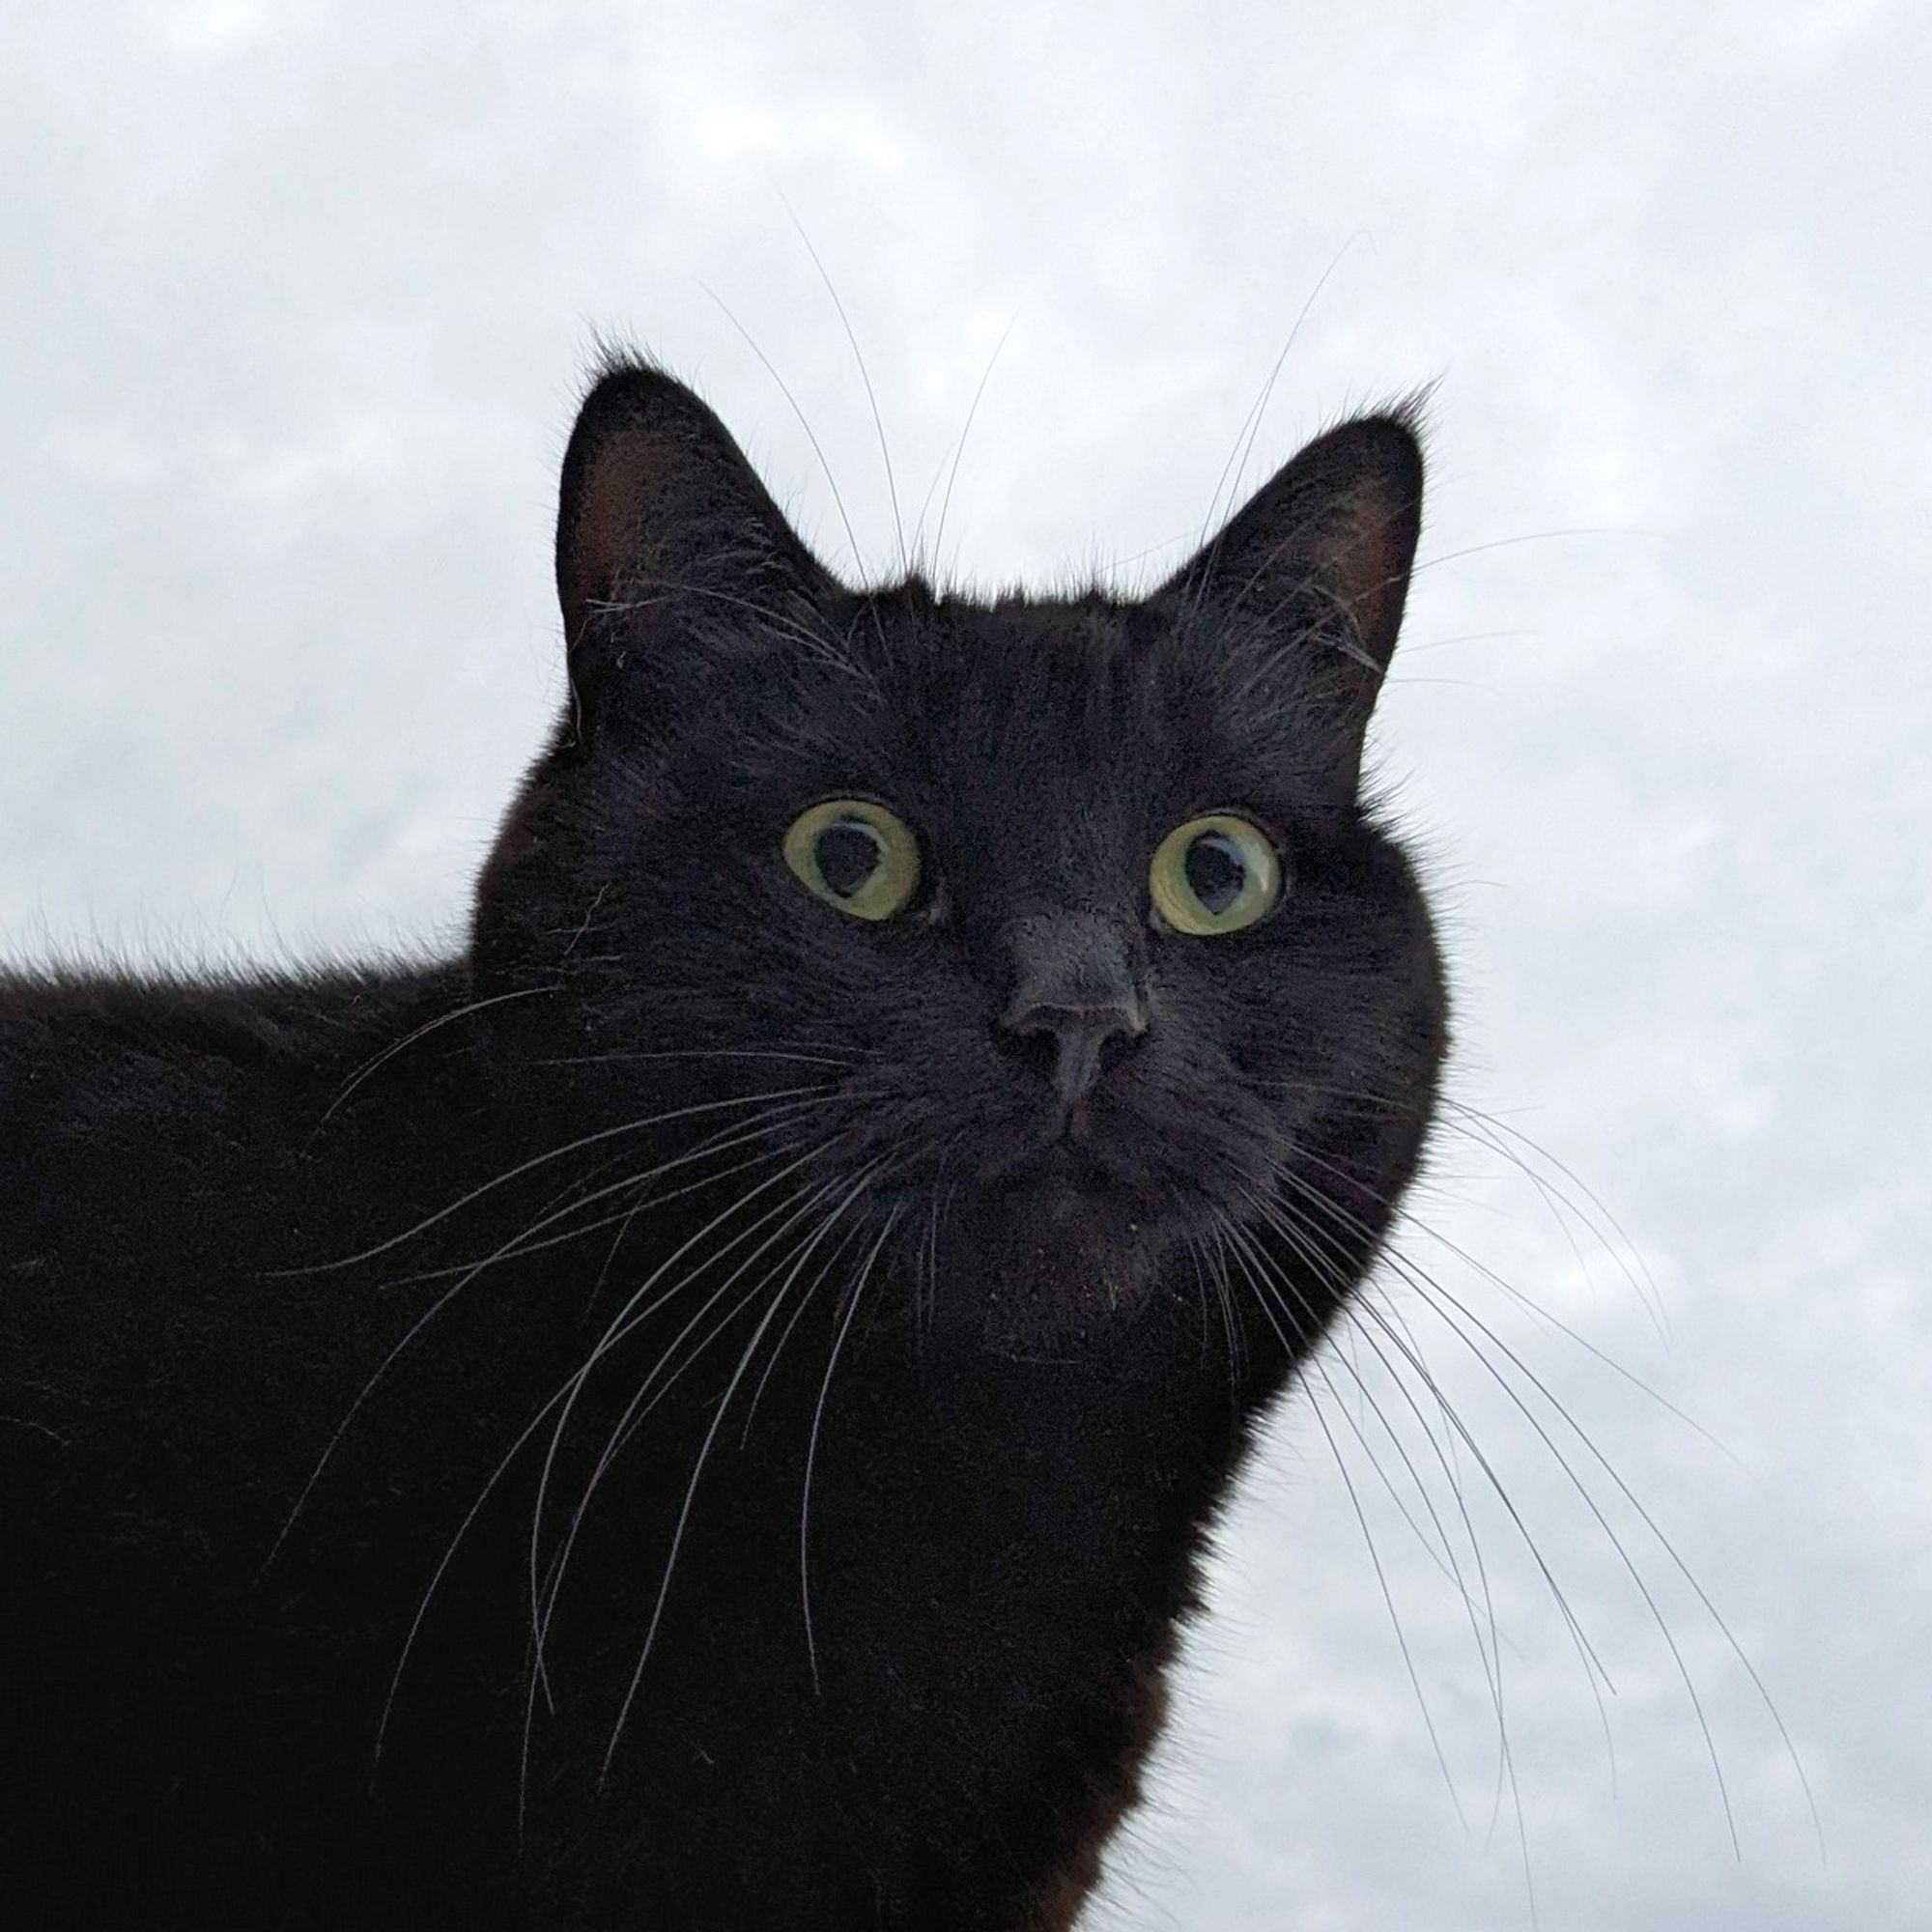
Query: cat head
(1056, 928)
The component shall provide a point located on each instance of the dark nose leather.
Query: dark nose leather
(1074, 992)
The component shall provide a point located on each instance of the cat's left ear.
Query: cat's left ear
(1316, 564)
(672, 556)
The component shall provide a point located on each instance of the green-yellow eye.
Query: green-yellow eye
(1214, 874)
(855, 855)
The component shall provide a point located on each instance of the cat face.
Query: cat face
(1055, 925)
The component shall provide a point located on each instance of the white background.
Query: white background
(297, 300)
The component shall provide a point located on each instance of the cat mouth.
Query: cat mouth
(1059, 1192)
(1068, 1180)
(1066, 1149)
(1061, 1179)
(1067, 1190)
(1048, 1240)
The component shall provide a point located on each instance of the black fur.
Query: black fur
(392, 1225)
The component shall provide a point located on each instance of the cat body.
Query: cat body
(703, 1410)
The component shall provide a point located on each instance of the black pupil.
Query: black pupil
(1216, 871)
(848, 853)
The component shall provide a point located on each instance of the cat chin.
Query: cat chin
(1062, 1262)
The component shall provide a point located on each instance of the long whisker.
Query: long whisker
(1243, 1249)
(601, 1135)
(650, 1391)
(1251, 425)
(1440, 1549)
(770, 369)
(544, 1601)
(1489, 1130)
(1495, 1132)
(629, 1318)
(704, 1451)
(960, 448)
(1507, 1771)
(422, 1322)
(725, 1140)
(1231, 1328)
(854, 1231)
(1460, 1320)
(1516, 1294)
(1592, 1664)
(811, 1445)
(1594, 1668)
(562, 1397)
(389, 1052)
(865, 377)
(694, 1053)
(624, 1221)
(544, 1598)
(1489, 1654)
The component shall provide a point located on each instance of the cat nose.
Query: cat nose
(1080, 1036)
(1075, 996)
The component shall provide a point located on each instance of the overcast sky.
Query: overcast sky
(297, 300)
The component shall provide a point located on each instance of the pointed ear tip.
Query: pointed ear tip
(1390, 444)
(625, 384)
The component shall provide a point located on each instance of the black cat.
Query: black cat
(702, 1411)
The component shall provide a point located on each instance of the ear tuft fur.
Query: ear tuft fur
(656, 498)
(1323, 553)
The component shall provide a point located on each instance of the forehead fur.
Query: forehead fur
(1088, 704)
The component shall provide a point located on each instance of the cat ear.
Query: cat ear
(1318, 562)
(668, 548)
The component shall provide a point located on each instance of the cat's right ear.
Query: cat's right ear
(674, 569)
(670, 553)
